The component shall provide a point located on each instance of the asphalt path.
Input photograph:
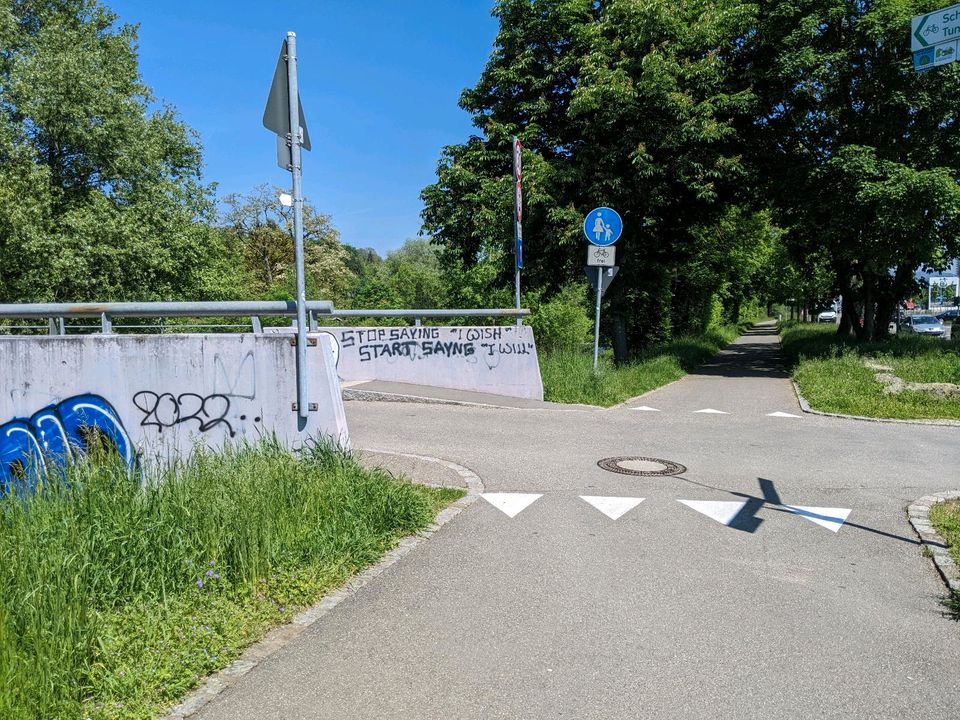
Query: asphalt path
(562, 612)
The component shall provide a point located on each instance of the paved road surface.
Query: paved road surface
(561, 612)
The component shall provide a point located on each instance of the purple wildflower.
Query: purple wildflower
(200, 584)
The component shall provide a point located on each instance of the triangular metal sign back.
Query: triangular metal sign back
(606, 276)
(276, 116)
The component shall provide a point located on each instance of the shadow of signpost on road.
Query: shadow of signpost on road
(746, 519)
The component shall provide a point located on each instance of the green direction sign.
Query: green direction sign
(935, 28)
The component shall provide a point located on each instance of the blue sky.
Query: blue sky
(379, 81)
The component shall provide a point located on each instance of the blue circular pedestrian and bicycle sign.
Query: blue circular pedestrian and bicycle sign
(603, 226)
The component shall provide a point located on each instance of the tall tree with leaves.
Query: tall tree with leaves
(260, 229)
(621, 103)
(860, 153)
(100, 196)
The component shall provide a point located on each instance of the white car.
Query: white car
(924, 325)
(829, 316)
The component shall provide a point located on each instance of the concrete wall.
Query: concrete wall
(497, 360)
(154, 395)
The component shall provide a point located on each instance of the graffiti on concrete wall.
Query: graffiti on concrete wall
(166, 410)
(473, 345)
(52, 436)
(234, 387)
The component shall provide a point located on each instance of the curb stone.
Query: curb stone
(919, 514)
(285, 634)
(380, 396)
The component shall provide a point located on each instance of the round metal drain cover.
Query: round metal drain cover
(642, 466)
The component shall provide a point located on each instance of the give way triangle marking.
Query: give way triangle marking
(645, 408)
(612, 507)
(781, 414)
(722, 511)
(511, 504)
(829, 517)
(711, 411)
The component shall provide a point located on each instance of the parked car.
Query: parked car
(829, 316)
(924, 325)
(951, 314)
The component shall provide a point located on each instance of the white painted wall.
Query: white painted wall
(169, 392)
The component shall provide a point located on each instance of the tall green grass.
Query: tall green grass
(945, 517)
(832, 376)
(568, 377)
(117, 598)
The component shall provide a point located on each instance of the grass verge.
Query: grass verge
(568, 377)
(116, 599)
(945, 518)
(831, 374)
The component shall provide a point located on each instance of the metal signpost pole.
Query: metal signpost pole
(517, 282)
(596, 327)
(602, 227)
(517, 216)
(295, 140)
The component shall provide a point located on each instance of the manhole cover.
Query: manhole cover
(643, 466)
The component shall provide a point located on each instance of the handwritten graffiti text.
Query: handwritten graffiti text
(166, 410)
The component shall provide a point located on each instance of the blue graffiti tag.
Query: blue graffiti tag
(51, 438)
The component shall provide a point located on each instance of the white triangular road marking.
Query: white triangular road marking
(829, 517)
(645, 408)
(510, 503)
(721, 511)
(711, 411)
(612, 507)
(781, 414)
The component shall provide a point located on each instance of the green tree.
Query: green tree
(859, 153)
(621, 103)
(261, 231)
(100, 197)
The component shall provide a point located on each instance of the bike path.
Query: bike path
(666, 612)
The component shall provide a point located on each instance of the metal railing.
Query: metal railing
(418, 315)
(56, 314)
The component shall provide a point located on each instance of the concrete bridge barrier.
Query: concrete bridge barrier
(153, 396)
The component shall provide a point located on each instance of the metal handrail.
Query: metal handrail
(55, 313)
(471, 312)
(243, 308)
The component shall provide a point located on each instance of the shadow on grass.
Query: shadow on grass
(568, 376)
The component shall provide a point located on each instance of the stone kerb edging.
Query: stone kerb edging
(285, 634)
(361, 395)
(919, 514)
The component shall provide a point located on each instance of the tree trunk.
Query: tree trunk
(848, 316)
(869, 310)
(621, 351)
(734, 314)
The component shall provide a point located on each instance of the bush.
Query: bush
(562, 324)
